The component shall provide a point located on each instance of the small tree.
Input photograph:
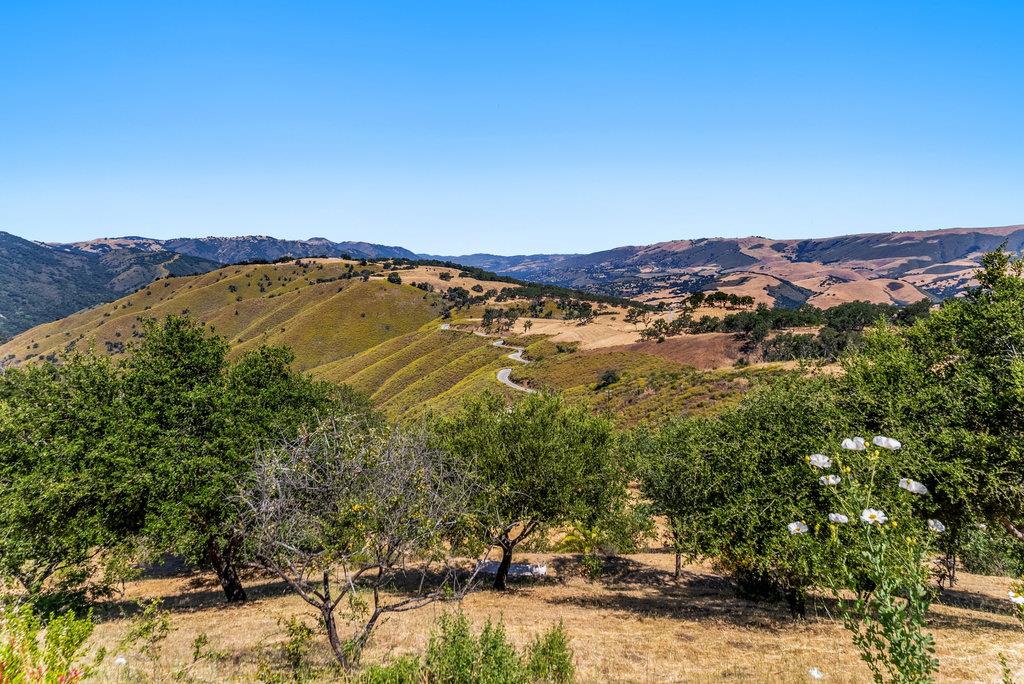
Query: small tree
(539, 462)
(730, 483)
(394, 278)
(349, 513)
(191, 424)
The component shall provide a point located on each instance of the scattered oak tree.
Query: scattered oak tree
(539, 463)
(190, 425)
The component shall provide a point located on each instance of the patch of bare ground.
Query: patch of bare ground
(638, 624)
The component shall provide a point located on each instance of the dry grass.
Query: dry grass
(637, 625)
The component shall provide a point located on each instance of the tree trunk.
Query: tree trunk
(797, 600)
(679, 564)
(501, 577)
(223, 564)
(333, 639)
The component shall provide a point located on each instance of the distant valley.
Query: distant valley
(895, 267)
(41, 282)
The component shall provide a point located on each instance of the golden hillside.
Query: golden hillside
(347, 323)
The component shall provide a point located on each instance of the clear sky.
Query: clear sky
(509, 126)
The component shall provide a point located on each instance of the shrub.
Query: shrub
(609, 377)
(30, 655)
(456, 656)
(730, 483)
(394, 278)
(550, 658)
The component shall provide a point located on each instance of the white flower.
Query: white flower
(830, 479)
(820, 461)
(886, 442)
(120, 660)
(936, 526)
(838, 518)
(798, 527)
(873, 516)
(854, 444)
(815, 673)
(1017, 597)
(913, 486)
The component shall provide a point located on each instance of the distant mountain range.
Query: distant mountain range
(41, 282)
(896, 267)
(233, 250)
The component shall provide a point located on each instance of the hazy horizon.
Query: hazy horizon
(457, 127)
(436, 253)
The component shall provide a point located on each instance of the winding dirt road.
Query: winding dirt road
(504, 375)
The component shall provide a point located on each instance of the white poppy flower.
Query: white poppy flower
(120, 660)
(1017, 597)
(830, 479)
(815, 673)
(886, 442)
(936, 526)
(838, 518)
(853, 444)
(873, 516)
(913, 486)
(798, 527)
(820, 461)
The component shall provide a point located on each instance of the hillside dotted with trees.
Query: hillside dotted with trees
(860, 500)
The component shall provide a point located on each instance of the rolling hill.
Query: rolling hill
(894, 267)
(40, 283)
(347, 323)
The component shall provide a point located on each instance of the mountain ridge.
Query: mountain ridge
(890, 267)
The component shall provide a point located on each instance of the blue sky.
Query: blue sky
(509, 127)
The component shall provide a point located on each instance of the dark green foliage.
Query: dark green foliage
(95, 455)
(730, 484)
(191, 424)
(540, 462)
(955, 379)
(394, 278)
(988, 550)
(64, 489)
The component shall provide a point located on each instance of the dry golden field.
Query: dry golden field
(636, 625)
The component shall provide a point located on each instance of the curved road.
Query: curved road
(503, 375)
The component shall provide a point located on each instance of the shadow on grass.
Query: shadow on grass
(633, 587)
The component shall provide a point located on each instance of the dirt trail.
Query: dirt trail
(504, 375)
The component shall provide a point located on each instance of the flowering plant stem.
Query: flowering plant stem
(882, 560)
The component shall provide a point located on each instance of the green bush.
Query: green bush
(405, 670)
(550, 657)
(456, 656)
(28, 653)
(986, 550)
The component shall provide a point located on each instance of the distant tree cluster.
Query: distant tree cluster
(840, 327)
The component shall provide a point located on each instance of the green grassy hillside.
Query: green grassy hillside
(638, 387)
(320, 314)
(382, 338)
